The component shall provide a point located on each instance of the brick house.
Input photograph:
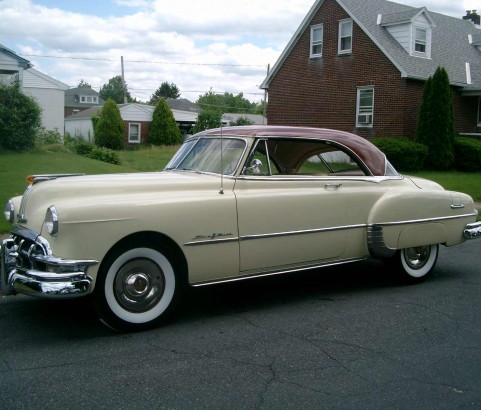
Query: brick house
(360, 66)
(137, 119)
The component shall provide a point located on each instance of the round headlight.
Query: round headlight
(51, 221)
(9, 212)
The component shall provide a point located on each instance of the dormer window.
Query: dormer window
(412, 29)
(421, 42)
(420, 38)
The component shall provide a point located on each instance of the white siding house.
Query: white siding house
(50, 95)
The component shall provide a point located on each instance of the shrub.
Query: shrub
(467, 152)
(48, 137)
(19, 119)
(105, 155)
(404, 154)
(83, 148)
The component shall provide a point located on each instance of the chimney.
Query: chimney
(473, 16)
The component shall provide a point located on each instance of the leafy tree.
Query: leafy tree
(226, 102)
(206, 120)
(163, 129)
(83, 83)
(114, 90)
(165, 90)
(242, 121)
(436, 122)
(109, 128)
(19, 118)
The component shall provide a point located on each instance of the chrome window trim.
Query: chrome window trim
(286, 178)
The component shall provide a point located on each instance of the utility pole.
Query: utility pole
(123, 79)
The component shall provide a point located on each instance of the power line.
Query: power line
(144, 61)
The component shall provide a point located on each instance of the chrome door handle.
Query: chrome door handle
(332, 186)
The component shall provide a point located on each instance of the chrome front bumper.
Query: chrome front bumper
(28, 267)
(472, 231)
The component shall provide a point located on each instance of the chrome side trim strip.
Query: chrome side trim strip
(276, 272)
(303, 232)
(321, 230)
(211, 241)
(274, 235)
(443, 218)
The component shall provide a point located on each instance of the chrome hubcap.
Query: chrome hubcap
(417, 257)
(139, 285)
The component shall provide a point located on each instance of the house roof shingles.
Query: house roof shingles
(450, 45)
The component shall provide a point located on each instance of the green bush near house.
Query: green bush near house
(403, 153)
(467, 153)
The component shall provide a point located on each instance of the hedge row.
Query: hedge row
(90, 150)
(467, 154)
(404, 154)
(407, 155)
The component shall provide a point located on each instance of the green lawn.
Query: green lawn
(15, 167)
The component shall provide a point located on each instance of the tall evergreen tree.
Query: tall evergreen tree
(109, 128)
(422, 125)
(436, 122)
(163, 129)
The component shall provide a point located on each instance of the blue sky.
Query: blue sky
(223, 45)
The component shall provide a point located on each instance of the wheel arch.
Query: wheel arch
(157, 241)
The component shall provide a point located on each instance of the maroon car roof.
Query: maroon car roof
(374, 159)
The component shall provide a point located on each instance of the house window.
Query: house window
(365, 107)
(345, 36)
(421, 42)
(134, 133)
(89, 99)
(317, 34)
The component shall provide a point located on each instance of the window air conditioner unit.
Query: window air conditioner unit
(365, 119)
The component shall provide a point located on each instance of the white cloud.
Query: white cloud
(163, 40)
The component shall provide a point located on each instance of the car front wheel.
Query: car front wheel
(415, 264)
(137, 289)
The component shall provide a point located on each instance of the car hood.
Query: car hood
(95, 190)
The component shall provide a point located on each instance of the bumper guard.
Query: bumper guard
(472, 231)
(28, 267)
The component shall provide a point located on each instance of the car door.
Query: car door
(289, 214)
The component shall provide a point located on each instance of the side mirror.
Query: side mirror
(254, 168)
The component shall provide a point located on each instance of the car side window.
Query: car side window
(333, 163)
(260, 162)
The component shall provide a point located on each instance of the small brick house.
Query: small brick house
(137, 119)
(360, 66)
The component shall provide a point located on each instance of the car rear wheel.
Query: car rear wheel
(137, 288)
(413, 265)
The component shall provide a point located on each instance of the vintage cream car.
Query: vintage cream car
(232, 204)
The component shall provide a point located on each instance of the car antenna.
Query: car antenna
(221, 162)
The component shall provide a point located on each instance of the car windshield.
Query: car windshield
(215, 155)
